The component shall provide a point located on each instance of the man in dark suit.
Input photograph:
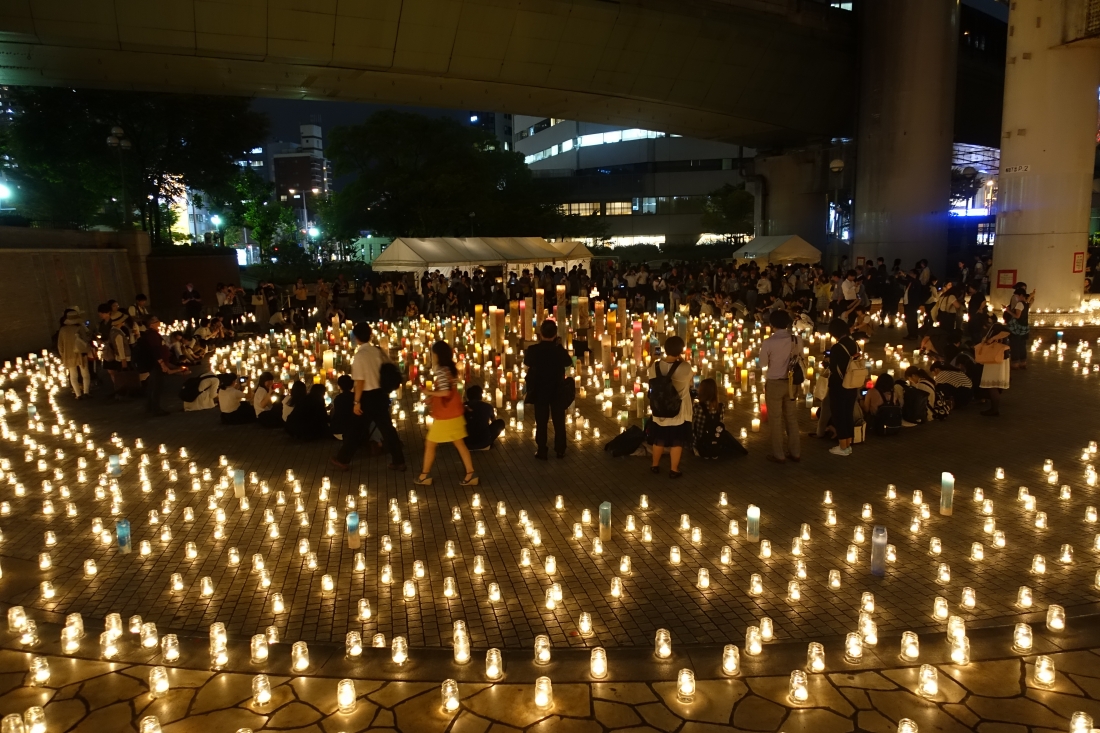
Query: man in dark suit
(546, 363)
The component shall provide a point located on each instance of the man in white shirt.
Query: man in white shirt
(775, 356)
(372, 405)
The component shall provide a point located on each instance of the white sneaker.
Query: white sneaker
(836, 450)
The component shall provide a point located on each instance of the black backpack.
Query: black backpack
(626, 442)
(664, 398)
(915, 407)
(888, 418)
(389, 377)
(189, 392)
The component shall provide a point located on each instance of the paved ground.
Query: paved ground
(1042, 418)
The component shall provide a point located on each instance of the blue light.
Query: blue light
(473, 118)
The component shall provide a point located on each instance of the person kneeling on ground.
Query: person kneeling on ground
(235, 409)
(482, 429)
(343, 407)
(268, 413)
(953, 384)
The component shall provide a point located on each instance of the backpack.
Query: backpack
(915, 406)
(664, 398)
(888, 418)
(626, 442)
(796, 368)
(389, 377)
(189, 391)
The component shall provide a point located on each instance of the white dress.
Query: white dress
(996, 376)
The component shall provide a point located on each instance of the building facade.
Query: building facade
(650, 186)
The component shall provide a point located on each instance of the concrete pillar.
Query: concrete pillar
(906, 130)
(795, 200)
(1048, 143)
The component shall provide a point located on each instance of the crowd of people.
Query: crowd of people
(949, 317)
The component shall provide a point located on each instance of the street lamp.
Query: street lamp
(313, 232)
(118, 140)
(5, 194)
(217, 222)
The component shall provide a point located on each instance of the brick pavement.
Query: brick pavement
(1042, 418)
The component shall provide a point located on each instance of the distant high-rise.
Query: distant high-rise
(497, 123)
(301, 172)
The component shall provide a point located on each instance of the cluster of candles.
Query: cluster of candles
(43, 376)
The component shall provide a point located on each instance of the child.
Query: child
(481, 427)
(343, 407)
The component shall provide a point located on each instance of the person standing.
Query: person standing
(842, 401)
(73, 344)
(372, 403)
(667, 430)
(448, 416)
(192, 303)
(154, 357)
(776, 354)
(1016, 318)
(546, 363)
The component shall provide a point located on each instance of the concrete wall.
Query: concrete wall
(169, 275)
(40, 283)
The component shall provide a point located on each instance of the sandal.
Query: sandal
(470, 480)
(423, 480)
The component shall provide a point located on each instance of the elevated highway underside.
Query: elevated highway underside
(756, 72)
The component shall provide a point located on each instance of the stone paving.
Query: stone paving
(656, 595)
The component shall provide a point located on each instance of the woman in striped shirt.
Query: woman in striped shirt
(448, 416)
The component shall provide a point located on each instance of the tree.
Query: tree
(63, 166)
(729, 210)
(965, 185)
(420, 176)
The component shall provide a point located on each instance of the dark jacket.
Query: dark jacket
(479, 417)
(343, 413)
(546, 363)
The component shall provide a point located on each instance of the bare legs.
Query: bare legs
(429, 456)
(674, 454)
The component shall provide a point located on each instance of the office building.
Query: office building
(651, 187)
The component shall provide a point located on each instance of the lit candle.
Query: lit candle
(1056, 617)
(544, 693)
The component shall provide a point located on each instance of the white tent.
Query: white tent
(406, 254)
(780, 249)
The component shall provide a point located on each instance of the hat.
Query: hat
(73, 316)
(118, 319)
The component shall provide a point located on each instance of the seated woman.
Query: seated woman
(298, 392)
(482, 427)
(235, 409)
(707, 428)
(309, 419)
(885, 392)
(268, 412)
(198, 392)
(343, 407)
(919, 379)
(954, 384)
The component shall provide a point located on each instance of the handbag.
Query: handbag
(989, 352)
(448, 407)
(854, 376)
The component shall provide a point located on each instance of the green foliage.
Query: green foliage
(963, 187)
(422, 176)
(729, 210)
(65, 171)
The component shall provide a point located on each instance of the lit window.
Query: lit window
(473, 118)
(614, 136)
(618, 208)
(594, 139)
(256, 151)
(567, 146)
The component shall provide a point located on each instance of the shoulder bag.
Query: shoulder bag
(987, 351)
(855, 376)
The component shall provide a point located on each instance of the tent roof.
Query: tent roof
(572, 250)
(406, 253)
(779, 248)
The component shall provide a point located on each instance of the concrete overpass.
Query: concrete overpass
(748, 71)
